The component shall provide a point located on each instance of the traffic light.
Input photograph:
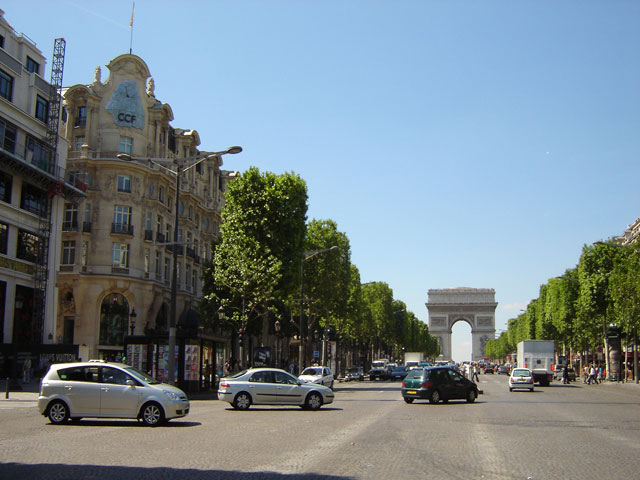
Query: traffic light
(240, 336)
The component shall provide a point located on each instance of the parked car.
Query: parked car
(390, 367)
(438, 383)
(272, 386)
(107, 390)
(521, 378)
(503, 369)
(571, 374)
(321, 375)
(398, 373)
(354, 373)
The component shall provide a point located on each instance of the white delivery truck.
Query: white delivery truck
(413, 359)
(537, 356)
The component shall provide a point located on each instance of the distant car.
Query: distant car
(571, 374)
(398, 373)
(503, 369)
(272, 386)
(488, 369)
(99, 389)
(521, 378)
(321, 375)
(437, 383)
(354, 373)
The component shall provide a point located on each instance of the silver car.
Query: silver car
(271, 386)
(521, 378)
(70, 391)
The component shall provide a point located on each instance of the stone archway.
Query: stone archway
(475, 306)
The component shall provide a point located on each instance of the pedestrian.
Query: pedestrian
(475, 373)
(600, 374)
(227, 368)
(565, 375)
(592, 375)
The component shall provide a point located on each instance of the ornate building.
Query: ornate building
(34, 186)
(117, 246)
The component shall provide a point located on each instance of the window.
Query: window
(147, 221)
(124, 183)
(42, 109)
(1, 41)
(170, 203)
(86, 222)
(68, 253)
(161, 194)
(39, 154)
(121, 215)
(70, 220)
(4, 237)
(194, 280)
(28, 246)
(7, 136)
(190, 214)
(120, 255)
(32, 66)
(6, 86)
(150, 189)
(33, 199)
(126, 144)
(157, 265)
(146, 261)
(81, 117)
(166, 267)
(79, 141)
(115, 376)
(5, 187)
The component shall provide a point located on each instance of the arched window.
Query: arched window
(114, 318)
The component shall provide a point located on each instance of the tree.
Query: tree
(262, 236)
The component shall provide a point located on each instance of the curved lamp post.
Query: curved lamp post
(181, 165)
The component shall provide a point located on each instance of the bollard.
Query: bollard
(6, 393)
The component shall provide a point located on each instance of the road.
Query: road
(559, 432)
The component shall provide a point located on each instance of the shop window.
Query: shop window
(114, 319)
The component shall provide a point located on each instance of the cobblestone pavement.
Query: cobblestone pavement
(559, 432)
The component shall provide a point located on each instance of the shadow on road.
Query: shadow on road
(82, 472)
(122, 423)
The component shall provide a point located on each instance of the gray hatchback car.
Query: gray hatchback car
(70, 391)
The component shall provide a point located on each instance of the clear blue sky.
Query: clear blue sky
(456, 143)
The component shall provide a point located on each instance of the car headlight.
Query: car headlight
(171, 395)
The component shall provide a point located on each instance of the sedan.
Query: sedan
(321, 375)
(272, 386)
(438, 383)
(398, 373)
(503, 369)
(521, 378)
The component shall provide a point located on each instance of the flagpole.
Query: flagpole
(133, 8)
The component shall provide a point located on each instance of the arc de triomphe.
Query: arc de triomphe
(476, 306)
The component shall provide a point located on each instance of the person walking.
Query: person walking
(475, 377)
(592, 375)
(565, 375)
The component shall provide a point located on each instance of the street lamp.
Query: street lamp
(179, 164)
(132, 320)
(306, 256)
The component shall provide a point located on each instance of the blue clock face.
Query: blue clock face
(125, 105)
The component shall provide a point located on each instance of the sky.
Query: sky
(456, 143)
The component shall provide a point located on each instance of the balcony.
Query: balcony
(122, 228)
(148, 235)
(70, 226)
(159, 237)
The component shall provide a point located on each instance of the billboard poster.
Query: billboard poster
(262, 357)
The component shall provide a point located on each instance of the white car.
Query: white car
(521, 378)
(70, 391)
(320, 375)
(271, 386)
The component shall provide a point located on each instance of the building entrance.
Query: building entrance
(475, 306)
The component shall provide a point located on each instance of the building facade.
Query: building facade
(116, 269)
(34, 186)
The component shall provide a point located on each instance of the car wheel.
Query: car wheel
(152, 414)
(242, 401)
(408, 400)
(471, 395)
(314, 401)
(58, 412)
(510, 389)
(435, 397)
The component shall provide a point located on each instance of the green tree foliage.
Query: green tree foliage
(262, 234)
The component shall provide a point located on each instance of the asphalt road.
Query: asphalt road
(560, 432)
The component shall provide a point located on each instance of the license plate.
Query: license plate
(412, 392)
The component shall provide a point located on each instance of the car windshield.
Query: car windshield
(415, 373)
(521, 373)
(353, 370)
(377, 364)
(142, 376)
(312, 371)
